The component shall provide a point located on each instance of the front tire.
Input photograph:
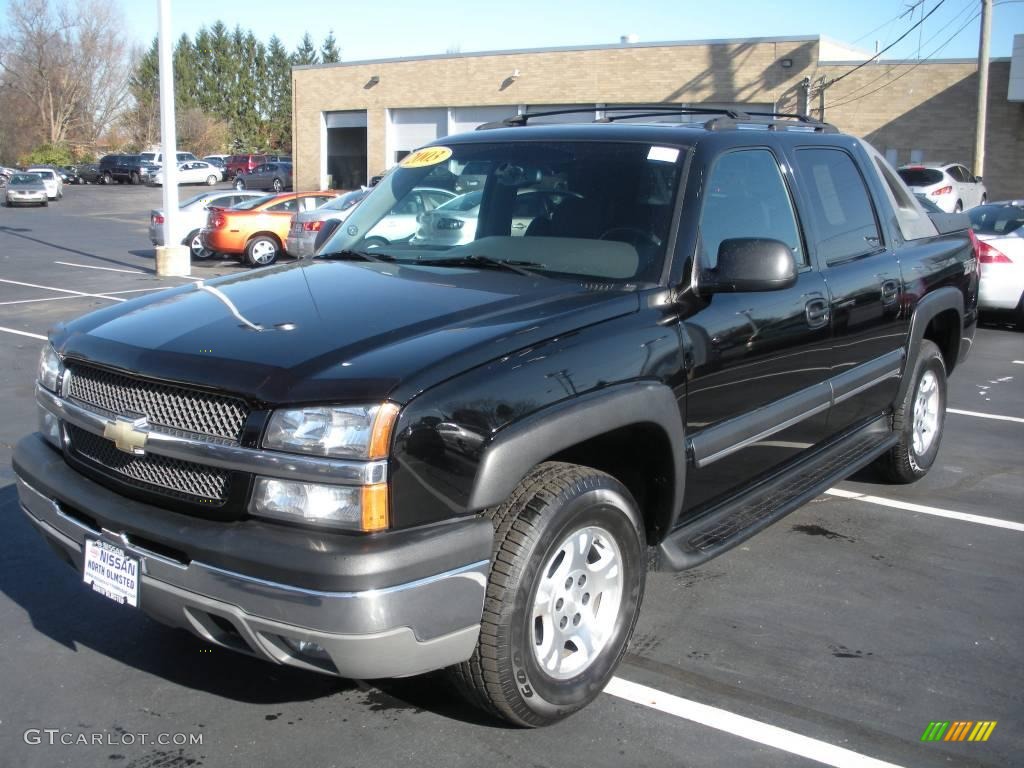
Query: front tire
(919, 419)
(564, 593)
(240, 184)
(211, 180)
(262, 251)
(277, 185)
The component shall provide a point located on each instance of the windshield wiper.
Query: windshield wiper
(349, 254)
(486, 262)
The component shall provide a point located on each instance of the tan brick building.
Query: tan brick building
(354, 120)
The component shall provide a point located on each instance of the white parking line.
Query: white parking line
(33, 301)
(1018, 362)
(995, 522)
(105, 269)
(22, 333)
(744, 727)
(62, 290)
(981, 415)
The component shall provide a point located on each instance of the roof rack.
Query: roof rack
(633, 110)
(730, 118)
(786, 121)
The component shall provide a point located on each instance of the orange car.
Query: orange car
(257, 229)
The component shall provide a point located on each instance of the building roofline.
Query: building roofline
(567, 48)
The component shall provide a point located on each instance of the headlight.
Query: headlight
(49, 368)
(351, 432)
(356, 508)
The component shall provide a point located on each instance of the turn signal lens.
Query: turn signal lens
(312, 226)
(375, 507)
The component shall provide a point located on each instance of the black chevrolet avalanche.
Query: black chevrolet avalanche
(624, 346)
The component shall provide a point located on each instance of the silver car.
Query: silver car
(949, 185)
(193, 215)
(307, 225)
(25, 189)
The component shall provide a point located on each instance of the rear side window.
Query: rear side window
(844, 219)
(920, 177)
(746, 197)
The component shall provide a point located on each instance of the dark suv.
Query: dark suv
(400, 457)
(124, 168)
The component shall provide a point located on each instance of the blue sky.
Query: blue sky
(391, 28)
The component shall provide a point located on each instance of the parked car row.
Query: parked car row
(950, 186)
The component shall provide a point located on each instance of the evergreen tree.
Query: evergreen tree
(279, 95)
(329, 53)
(306, 52)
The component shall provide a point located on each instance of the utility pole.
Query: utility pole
(979, 134)
(172, 258)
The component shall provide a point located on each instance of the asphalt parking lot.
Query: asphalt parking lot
(834, 637)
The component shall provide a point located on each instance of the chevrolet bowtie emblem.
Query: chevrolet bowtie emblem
(129, 433)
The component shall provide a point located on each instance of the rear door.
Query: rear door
(864, 284)
(757, 395)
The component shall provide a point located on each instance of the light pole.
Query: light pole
(979, 131)
(172, 258)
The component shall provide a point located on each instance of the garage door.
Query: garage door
(412, 128)
(468, 118)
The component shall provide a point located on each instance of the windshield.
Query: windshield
(249, 204)
(596, 210)
(997, 219)
(26, 178)
(920, 177)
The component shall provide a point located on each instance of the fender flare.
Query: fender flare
(519, 447)
(927, 308)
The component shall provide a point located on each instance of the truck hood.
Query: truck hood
(335, 331)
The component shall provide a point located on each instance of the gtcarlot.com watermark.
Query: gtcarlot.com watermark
(58, 736)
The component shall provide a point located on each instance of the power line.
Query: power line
(911, 68)
(890, 66)
(898, 40)
(898, 16)
(847, 100)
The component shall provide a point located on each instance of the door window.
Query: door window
(284, 206)
(845, 224)
(746, 196)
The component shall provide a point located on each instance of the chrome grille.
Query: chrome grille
(162, 404)
(160, 474)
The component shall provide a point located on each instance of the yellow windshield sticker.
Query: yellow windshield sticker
(424, 157)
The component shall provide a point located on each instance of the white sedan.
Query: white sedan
(52, 180)
(999, 228)
(192, 172)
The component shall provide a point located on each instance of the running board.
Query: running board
(723, 527)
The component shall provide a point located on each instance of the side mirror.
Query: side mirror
(747, 264)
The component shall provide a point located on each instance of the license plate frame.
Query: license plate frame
(112, 572)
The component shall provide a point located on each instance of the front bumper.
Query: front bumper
(396, 629)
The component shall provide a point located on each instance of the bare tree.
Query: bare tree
(69, 62)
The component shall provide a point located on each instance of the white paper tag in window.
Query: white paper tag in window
(663, 154)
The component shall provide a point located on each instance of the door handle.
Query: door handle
(890, 291)
(817, 313)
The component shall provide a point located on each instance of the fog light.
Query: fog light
(307, 648)
(49, 425)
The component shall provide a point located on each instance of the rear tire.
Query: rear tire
(240, 184)
(277, 185)
(919, 419)
(134, 178)
(959, 207)
(195, 246)
(564, 592)
(262, 251)
(106, 178)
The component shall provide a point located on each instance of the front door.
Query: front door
(757, 394)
